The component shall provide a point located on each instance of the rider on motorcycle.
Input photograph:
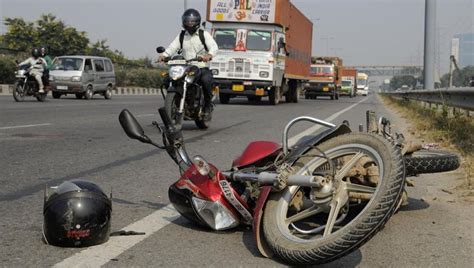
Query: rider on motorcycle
(195, 42)
(36, 69)
(46, 58)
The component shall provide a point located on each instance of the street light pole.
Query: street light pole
(430, 43)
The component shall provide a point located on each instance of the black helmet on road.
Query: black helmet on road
(76, 214)
(35, 52)
(191, 20)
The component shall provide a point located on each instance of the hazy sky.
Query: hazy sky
(362, 32)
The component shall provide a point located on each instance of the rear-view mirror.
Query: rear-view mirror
(132, 128)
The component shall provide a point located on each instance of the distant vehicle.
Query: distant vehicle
(348, 85)
(362, 84)
(264, 49)
(83, 76)
(325, 78)
(471, 83)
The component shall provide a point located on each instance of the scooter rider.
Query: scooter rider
(36, 69)
(195, 42)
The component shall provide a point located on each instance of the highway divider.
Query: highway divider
(8, 90)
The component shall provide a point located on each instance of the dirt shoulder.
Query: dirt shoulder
(454, 134)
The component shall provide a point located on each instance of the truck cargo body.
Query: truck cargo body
(349, 79)
(264, 48)
(325, 78)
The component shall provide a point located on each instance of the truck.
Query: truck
(325, 78)
(349, 82)
(264, 49)
(362, 84)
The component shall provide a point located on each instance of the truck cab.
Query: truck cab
(250, 61)
(264, 49)
(325, 79)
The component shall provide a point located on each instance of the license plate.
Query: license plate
(325, 88)
(62, 87)
(237, 87)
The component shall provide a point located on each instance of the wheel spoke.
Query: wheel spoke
(348, 166)
(313, 210)
(337, 203)
(352, 187)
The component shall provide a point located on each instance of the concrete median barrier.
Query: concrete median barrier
(8, 89)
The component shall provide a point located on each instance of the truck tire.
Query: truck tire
(292, 95)
(287, 238)
(224, 98)
(274, 95)
(430, 161)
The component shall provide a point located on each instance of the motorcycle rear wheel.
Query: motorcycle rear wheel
(41, 96)
(351, 225)
(171, 108)
(18, 93)
(430, 161)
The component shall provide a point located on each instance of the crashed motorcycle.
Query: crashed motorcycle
(309, 203)
(184, 99)
(26, 85)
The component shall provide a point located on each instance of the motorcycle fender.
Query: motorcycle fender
(177, 90)
(308, 142)
(262, 245)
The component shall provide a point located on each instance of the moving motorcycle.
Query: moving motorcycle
(26, 85)
(311, 203)
(184, 99)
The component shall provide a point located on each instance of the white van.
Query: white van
(83, 76)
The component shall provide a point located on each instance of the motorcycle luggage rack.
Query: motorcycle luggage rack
(298, 119)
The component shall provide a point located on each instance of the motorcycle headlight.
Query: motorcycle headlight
(215, 214)
(176, 72)
(191, 73)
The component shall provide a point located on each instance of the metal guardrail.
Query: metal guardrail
(454, 97)
(8, 90)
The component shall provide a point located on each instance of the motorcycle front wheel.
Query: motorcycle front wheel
(172, 107)
(305, 226)
(18, 93)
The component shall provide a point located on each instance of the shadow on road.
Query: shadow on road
(415, 204)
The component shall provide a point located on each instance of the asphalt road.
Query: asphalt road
(48, 143)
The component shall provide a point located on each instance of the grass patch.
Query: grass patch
(454, 132)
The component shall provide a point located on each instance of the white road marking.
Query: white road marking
(101, 254)
(24, 126)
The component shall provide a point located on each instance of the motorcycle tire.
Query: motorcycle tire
(79, 96)
(202, 123)
(171, 109)
(18, 93)
(41, 96)
(298, 249)
(224, 98)
(430, 161)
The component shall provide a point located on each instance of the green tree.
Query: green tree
(399, 81)
(48, 31)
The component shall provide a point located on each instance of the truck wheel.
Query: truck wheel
(224, 98)
(274, 95)
(292, 94)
